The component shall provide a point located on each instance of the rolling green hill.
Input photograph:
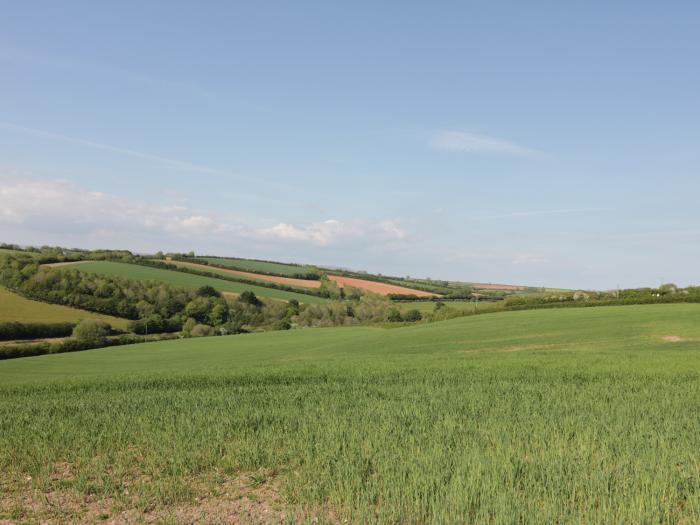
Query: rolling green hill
(229, 273)
(185, 280)
(14, 307)
(251, 265)
(571, 415)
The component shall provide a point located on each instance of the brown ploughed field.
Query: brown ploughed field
(375, 287)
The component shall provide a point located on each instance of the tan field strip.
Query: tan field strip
(289, 281)
(56, 265)
(482, 286)
(375, 287)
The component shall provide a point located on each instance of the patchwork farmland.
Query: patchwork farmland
(377, 287)
(289, 281)
(185, 280)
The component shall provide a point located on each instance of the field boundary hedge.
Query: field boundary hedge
(75, 345)
(10, 330)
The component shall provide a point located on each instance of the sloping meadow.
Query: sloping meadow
(546, 416)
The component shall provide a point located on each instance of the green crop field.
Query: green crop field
(220, 271)
(14, 307)
(586, 415)
(250, 265)
(186, 280)
(4, 252)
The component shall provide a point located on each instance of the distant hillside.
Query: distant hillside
(185, 280)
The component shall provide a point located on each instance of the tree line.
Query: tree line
(12, 330)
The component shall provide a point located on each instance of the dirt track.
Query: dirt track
(375, 287)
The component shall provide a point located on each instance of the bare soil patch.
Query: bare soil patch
(378, 288)
(289, 281)
(249, 498)
(672, 338)
(514, 348)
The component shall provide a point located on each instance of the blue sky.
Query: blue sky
(543, 143)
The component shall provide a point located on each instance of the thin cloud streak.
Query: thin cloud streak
(536, 213)
(23, 56)
(113, 149)
(460, 142)
(179, 164)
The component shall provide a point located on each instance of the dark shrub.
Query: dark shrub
(394, 315)
(412, 316)
(208, 291)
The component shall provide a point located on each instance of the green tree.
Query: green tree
(293, 307)
(250, 298)
(92, 330)
(198, 308)
(394, 315)
(219, 314)
(208, 291)
(188, 326)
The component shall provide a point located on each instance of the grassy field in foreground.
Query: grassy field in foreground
(186, 280)
(14, 307)
(550, 416)
(250, 265)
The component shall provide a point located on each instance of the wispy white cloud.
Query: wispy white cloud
(535, 213)
(458, 141)
(330, 231)
(57, 206)
(529, 259)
